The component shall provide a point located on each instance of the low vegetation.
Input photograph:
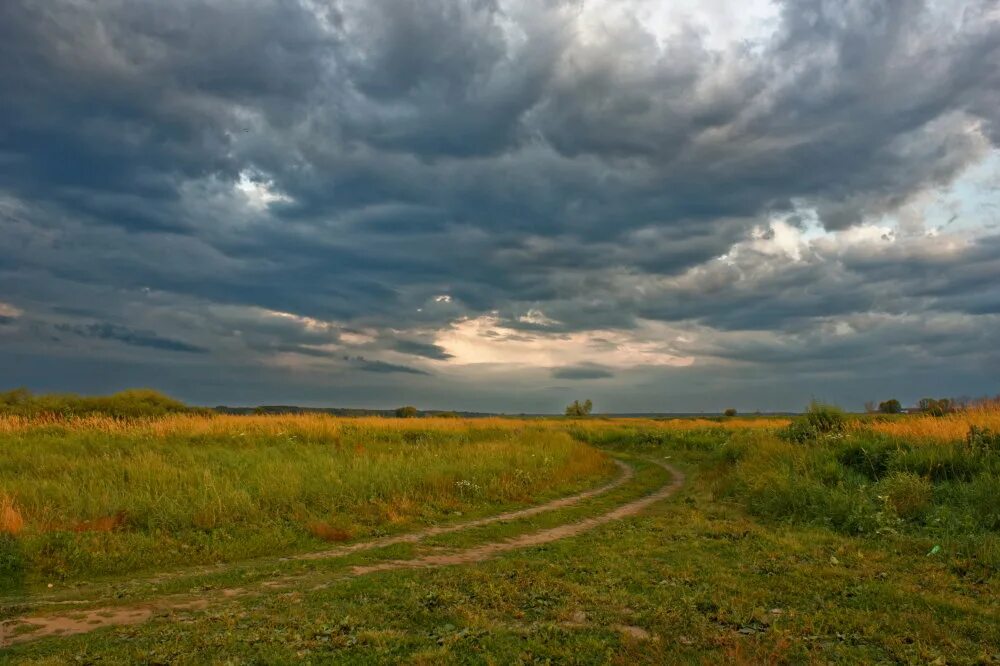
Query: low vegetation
(100, 495)
(828, 537)
(133, 403)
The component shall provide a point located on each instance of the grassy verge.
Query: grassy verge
(103, 497)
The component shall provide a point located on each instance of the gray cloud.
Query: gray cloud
(383, 367)
(586, 371)
(504, 154)
(417, 348)
(128, 336)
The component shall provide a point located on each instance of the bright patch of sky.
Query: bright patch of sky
(259, 191)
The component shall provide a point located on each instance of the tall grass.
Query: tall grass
(916, 478)
(916, 481)
(948, 428)
(98, 494)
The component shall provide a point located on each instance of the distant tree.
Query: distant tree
(933, 407)
(407, 412)
(892, 406)
(729, 412)
(577, 409)
(870, 407)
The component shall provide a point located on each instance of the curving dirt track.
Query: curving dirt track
(25, 629)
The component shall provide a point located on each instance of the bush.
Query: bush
(578, 409)
(982, 441)
(729, 412)
(125, 404)
(909, 495)
(870, 458)
(818, 421)
(407, 412)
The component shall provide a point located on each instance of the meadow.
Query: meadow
(103, 495)
(823, 538)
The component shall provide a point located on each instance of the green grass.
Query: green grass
(776, 551)
(108, 503)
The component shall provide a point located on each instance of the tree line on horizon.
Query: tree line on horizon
(148, 402)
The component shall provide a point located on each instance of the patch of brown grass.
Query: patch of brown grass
(102, 524)
(11, 521)
(327, 532)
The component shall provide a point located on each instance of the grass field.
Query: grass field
(866, 540)
(105, 496)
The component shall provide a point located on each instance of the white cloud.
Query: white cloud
(484, 339)
(259, 191)
(537, 317)
(7, 310)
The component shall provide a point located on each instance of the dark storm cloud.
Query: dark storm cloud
(417, 348)
(513, 156)
(587, 371)
(128, 336)
(382, 367)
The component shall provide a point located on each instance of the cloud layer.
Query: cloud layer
(370, 202)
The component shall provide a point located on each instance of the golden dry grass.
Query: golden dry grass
(327, 426)
(314, 425)
(949, 428)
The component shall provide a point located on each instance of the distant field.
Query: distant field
(823, 538)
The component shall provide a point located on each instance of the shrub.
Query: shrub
(407, 412)
(818, 420)
(729, 412)
(982, 441)
(908, 494)
(870, 458)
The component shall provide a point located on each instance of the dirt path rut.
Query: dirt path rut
(25, 629)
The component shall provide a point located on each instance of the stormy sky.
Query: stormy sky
(502, 205)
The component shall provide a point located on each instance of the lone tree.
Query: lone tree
(892, 406)
(407, 412)
(729, 412)
(576, 409)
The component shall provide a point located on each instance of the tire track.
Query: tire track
(24, 629)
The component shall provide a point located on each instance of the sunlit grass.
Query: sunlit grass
(107, 495)
(951, 427)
